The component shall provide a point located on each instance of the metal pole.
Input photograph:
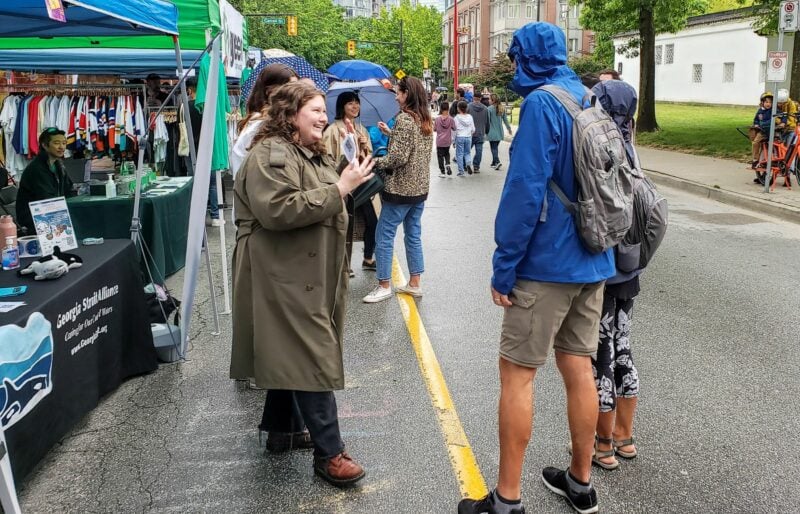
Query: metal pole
(455, 47)
(768, 173)
(538, 9)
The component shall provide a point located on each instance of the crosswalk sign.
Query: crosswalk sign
(400, 74)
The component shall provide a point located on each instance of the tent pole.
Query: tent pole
(185, 101)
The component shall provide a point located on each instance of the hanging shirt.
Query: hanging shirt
(8, 117)
(219, 158)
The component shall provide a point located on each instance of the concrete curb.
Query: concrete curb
(771, 208)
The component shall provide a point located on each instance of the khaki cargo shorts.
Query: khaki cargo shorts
(547, 315)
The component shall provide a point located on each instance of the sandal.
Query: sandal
(604, 454)
(600, 454)
(624, 454)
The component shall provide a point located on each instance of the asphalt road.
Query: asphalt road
(714, 339)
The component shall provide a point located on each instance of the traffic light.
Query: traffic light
(291, 25)
(425, 63)
(351, 47)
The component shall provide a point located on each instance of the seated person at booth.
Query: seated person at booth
(45, 177)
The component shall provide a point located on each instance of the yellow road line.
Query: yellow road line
(462, 459)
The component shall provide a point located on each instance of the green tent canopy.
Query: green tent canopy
(194, 18)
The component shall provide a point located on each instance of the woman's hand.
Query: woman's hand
(384, 128)
(355, 174)
(362, 140)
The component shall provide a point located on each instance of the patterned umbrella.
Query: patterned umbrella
(298, 64)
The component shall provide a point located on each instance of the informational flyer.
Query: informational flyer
(53, 225)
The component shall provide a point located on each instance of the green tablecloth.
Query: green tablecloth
(164, 219)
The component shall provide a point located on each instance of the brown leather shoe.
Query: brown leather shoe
(340, 470)
(279, 442)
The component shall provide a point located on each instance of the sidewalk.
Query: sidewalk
(723, 180)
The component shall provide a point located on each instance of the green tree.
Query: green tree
(322, 31)
(767, 25)
(422, 37)
(644, 19)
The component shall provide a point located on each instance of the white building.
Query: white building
(716, 59)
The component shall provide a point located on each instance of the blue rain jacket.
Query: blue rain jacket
(528, 249)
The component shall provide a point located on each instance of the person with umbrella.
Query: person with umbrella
(348, 108)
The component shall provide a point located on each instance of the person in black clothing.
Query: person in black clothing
(45, 177)
(155, 95)
(454, 106)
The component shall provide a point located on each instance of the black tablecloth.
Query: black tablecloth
(101, 335)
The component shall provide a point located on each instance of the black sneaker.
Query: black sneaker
(449, 170)
(476, 170)
(483, 506)
(469, 170)
(556, 480)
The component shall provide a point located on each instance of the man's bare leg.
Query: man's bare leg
(516, 423)
(576, 371)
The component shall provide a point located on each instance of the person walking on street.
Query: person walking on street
(465, 129)
(454, 106)
(549, 285)
(290, 275)
(497, 119)
(407, 164)
(348, 108)
(444, 126)
(480, 116)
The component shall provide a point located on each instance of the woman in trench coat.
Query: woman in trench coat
(290, 274)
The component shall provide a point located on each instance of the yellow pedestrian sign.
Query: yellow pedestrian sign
(399, 74)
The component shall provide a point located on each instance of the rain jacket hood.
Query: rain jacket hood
(540, 54)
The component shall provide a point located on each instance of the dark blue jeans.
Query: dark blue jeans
(477, 144)
(213, 205)
(287, 411)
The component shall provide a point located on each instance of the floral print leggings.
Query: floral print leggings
(614, 372)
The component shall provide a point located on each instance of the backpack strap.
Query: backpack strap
(573, 108)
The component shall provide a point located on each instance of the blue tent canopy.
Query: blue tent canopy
(96, 61)
(26, 18)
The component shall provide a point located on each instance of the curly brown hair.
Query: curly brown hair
(285, 103)
(270, 78)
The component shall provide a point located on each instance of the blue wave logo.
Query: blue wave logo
(26, 367)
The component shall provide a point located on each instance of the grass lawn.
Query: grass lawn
(697, 129)
(701, 129)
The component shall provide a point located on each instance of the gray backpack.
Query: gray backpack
(650, 220)
(604, 210)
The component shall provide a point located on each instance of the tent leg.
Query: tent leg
(211, 289)
(223, 248)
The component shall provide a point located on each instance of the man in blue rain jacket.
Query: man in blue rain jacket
(549, 285)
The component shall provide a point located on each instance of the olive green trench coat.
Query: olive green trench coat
(289, 272)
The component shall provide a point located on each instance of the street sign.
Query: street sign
(274, 20)
(426, 74)
(789, 19)
(399, 74)
(776, 66)
(364, 46)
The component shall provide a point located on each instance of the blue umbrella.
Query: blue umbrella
(357, 70)
(298, 64)
(377, 102)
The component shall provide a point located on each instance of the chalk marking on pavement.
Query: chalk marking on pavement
(462, 459)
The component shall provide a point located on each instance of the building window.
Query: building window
(513, 11)
(727, 72)
(762, 71)
(697, 73)
(529, 10)
(573, 45)
(659, 54)
(669, 55)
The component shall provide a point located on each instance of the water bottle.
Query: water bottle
(10, 254)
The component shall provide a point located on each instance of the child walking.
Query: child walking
(465, 128)
(444, 126)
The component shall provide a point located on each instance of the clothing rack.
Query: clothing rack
(77, 89)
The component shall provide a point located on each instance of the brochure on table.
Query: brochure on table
(53, 225)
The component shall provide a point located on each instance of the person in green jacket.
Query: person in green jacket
(497, 118)
(45, 177)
